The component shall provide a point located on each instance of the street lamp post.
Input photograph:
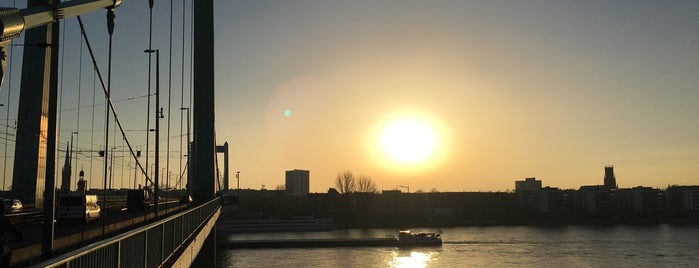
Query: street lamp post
(237, 176)
(151, 170)
(188, 150)
(111, 170)
(71, 155)
(7, 122)
(135, 169)
(158, 112)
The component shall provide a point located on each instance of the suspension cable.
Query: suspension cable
(150, 48)
(60, 90)
(92, 133)
(110, 105)
(169, 101)
(182, 93)
(108, 88)
(77, 123)
(113, 101)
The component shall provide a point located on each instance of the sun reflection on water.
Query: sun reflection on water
(414, 259)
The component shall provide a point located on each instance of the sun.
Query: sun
(408, 141)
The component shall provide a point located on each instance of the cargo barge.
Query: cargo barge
(405, 239)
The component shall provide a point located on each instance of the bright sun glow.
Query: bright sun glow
(408, 141)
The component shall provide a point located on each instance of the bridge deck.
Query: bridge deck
(72, 235)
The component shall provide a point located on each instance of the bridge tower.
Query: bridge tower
(224, 149)
(204, 137)
(202, 182)
(34, 165)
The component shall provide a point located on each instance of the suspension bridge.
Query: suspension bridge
(79, 105)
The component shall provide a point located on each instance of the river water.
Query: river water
(509, 246)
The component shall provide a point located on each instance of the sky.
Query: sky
(501, 90)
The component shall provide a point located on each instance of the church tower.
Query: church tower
(609, 179)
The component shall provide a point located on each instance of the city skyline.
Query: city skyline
(527, 89)
(500, 91)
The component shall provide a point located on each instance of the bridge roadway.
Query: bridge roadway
(71, 235)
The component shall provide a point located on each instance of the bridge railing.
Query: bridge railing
(148, 246)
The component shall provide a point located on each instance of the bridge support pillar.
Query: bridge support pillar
(224, 149)
(204, 137)
(35, 158)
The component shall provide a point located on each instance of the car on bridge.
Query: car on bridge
(12, 206)
(78, 207)
(186, 200)
(138, 200)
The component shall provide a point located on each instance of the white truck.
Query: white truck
(78, 207)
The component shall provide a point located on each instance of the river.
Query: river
(498, 246)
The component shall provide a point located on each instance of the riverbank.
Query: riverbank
(533, 219)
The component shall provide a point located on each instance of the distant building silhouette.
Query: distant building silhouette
(609, 179)
(607, 198)
(66, 173)
(552, 199)
(528, 184)
(597, 198)
(297, 182)
(528, 192)
(684, 198)
(643, 198)
(82, 183)
(601, 198)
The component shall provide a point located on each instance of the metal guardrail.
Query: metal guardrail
(148, 246)
(23, 218)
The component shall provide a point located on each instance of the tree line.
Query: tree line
(346, 183)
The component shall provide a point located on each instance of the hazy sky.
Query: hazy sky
(509, 89)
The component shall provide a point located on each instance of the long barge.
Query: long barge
(323, 243)
(405, 239)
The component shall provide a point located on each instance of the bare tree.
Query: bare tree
(345, 182)
(366, 185)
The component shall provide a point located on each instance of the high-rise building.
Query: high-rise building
(297, 182)
(609, 179)
(528, 184)
(527, 192)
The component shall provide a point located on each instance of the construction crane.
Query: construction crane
(401, 186)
